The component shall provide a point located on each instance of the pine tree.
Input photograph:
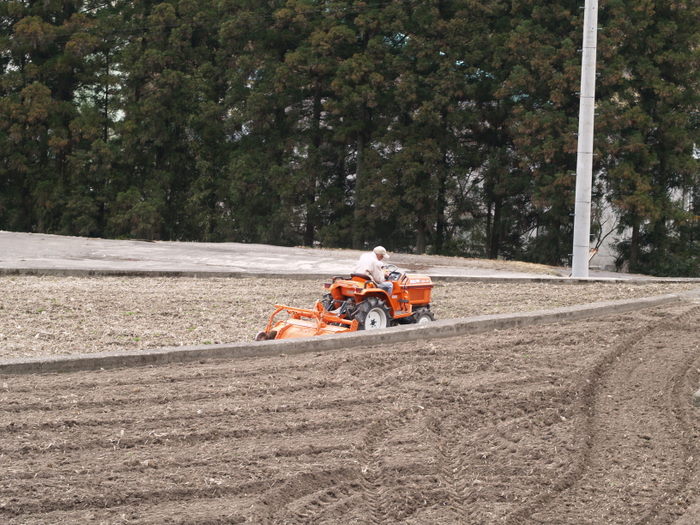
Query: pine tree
(45, 46)
(649, 96)
(541, 56)
(171, 136)
(422, 158)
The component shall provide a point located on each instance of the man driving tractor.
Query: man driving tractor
(373, 297)
(370, 265)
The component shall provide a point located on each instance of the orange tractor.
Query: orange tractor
(357, 303)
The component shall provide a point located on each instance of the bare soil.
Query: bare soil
(59, 315)
(573, 423)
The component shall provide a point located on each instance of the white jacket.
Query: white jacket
(370, 265)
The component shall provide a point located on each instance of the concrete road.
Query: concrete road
(51, 254)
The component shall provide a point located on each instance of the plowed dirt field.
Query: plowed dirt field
(572, 423)
(42, 316)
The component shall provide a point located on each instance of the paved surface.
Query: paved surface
(53, 252)
(41, 253)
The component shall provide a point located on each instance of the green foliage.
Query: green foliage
(135, 216)
(439, 126)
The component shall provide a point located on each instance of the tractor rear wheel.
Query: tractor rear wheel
(373, 314)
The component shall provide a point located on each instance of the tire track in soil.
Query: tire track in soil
(364, 486)
(423, 431)
(373, 475)
(391, 476)
(41, 506)
(160, 454)
(157, 400)
(109, 420)
(179, 437)
(587, 388)
(137, 496)
(451, 469)
(639, 391)
(455, 433)
(688, 430)
(367, 488)
(317, 489)
(189, 375)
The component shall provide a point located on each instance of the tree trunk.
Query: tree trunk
(495, 238)
(440, 225)
(359, 222)
(634, 245)
(421, 237)
(315, 168)
(105, 109)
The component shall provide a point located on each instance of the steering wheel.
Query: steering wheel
(393, 272)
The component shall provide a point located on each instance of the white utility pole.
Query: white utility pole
(584, 160)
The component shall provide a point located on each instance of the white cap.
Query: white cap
(380, 250)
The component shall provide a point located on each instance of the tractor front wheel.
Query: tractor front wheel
(373, 314)
(423, 315)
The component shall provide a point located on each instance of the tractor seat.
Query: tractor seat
(366, 279)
